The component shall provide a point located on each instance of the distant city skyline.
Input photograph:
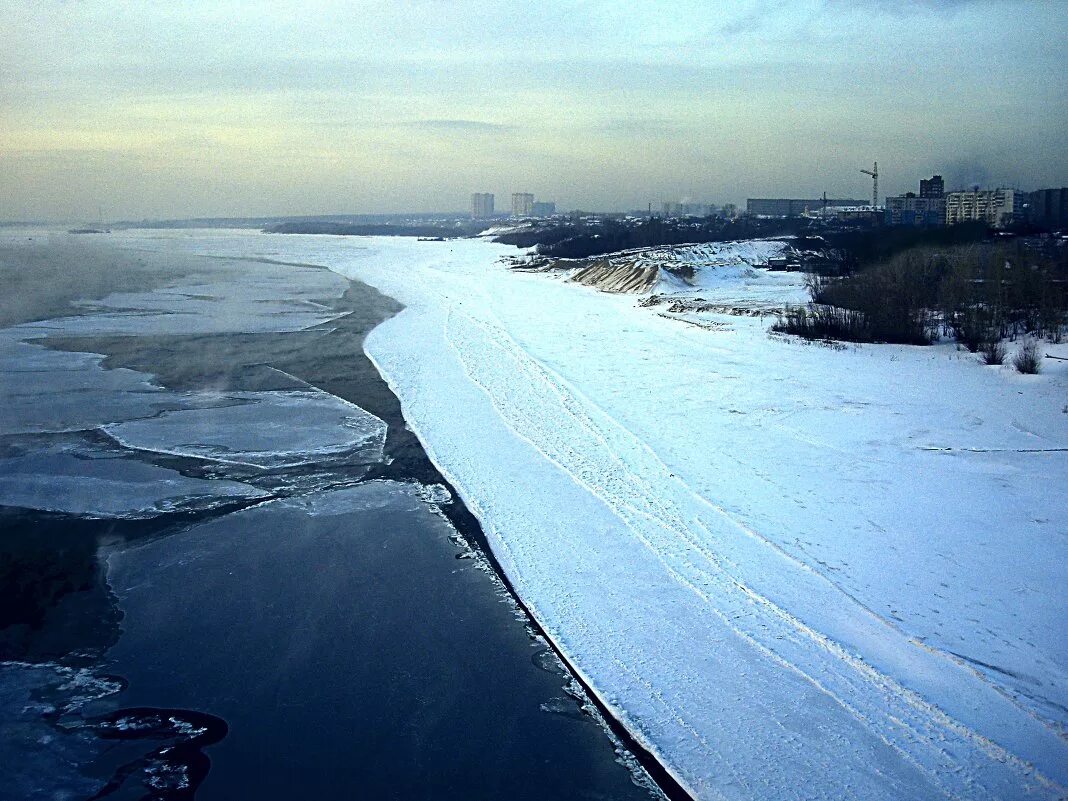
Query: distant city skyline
(127, 110)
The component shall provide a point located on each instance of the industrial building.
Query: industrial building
(996, 207)
(786, 207)
(481, 205)
(688, 209)
(522, 204)
(854, 214)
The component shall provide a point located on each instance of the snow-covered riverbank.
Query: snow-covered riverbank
(791, 571)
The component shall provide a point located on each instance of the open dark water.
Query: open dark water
(228, 570)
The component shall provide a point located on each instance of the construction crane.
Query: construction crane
(874, 173)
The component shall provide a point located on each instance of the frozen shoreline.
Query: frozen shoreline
(728, 533)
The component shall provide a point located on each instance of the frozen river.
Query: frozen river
(229, 568)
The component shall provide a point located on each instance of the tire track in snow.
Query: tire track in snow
(957, 758)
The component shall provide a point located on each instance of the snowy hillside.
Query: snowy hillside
(679, 268)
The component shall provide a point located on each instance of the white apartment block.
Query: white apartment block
(996, 207)
(481, 205)
(522, 204)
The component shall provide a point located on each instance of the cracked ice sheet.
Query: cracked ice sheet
(229, 295)
(261, 429)
(109, 487)
(43, 390)
(737, 539)
(256, 303)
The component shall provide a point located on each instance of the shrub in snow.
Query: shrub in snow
(888, 303)
(827, 322)
(1028, 360)
(824, 323)
(972, 329)
(993, 351)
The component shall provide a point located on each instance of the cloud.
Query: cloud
(755, 20)
(964, 173)
(638, 126)
(457, 125)
(598, 103)
(901, 8)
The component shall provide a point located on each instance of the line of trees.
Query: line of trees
(979, 293)
(581, 239)
(849, 250)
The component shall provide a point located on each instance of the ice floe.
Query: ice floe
(109, 487)
(260, 429)
(62, 396)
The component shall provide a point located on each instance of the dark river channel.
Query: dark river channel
(227, 568)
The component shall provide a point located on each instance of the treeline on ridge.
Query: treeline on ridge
(979, 293)
(582, 239)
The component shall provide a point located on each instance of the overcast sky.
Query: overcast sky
(144, 108)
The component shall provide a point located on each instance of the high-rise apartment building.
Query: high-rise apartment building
(481, 205)
(1049, 208)
(544, 208)
(522, 204)
(932, 187)
(996, 207)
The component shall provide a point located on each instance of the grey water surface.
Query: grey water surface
(228, 570)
